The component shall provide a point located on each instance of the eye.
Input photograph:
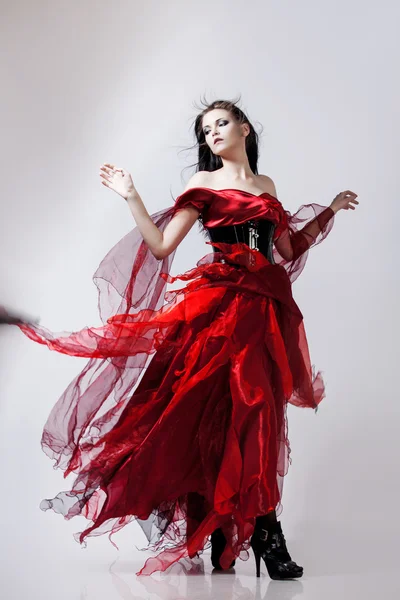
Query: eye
(221, 122)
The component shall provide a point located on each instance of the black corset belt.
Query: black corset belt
(258, 234)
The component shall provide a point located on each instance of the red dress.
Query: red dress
(179, 419)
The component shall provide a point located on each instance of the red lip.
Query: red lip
(218, 140)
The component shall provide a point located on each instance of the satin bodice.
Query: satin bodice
(233, 216)
(257, 234)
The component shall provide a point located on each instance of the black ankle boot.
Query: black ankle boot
(218, 543)
(270, 545)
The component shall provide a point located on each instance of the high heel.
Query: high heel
(218, 543)
(270, 545)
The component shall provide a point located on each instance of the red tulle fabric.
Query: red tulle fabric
(178, 420)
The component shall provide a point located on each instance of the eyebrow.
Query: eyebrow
(214, 122)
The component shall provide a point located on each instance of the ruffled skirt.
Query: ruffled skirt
(202, 441)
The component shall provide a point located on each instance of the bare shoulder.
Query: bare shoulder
(267, 184)
(199, 179)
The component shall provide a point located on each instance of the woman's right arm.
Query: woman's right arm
(162, 244)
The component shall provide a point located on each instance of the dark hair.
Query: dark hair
(207, 161)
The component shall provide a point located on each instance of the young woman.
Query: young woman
(197, 452)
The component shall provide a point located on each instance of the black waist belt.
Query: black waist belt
(257, 234)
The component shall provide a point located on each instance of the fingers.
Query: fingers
(112, 167)
(107, 173)
(350, 198)
(105, 176)
(348, 194)
(106, 170)
(350, 205)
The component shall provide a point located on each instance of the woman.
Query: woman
(198, 451)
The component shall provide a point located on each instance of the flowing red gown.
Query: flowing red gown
(178, 420)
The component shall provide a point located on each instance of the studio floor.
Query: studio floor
(54, 572)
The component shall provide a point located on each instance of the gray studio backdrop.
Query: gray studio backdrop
(90, 82)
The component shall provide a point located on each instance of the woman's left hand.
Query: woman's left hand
(344, 200)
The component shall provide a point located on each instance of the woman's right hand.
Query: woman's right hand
(117, 179)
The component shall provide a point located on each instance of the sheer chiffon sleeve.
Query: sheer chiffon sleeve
(306, 228)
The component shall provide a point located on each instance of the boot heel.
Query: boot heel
(257, 556)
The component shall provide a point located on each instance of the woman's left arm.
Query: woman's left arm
(292, 244)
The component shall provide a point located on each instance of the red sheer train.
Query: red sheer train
(178, 420)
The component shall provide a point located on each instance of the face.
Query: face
(220, 124)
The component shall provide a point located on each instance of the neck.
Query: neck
(236, 168)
